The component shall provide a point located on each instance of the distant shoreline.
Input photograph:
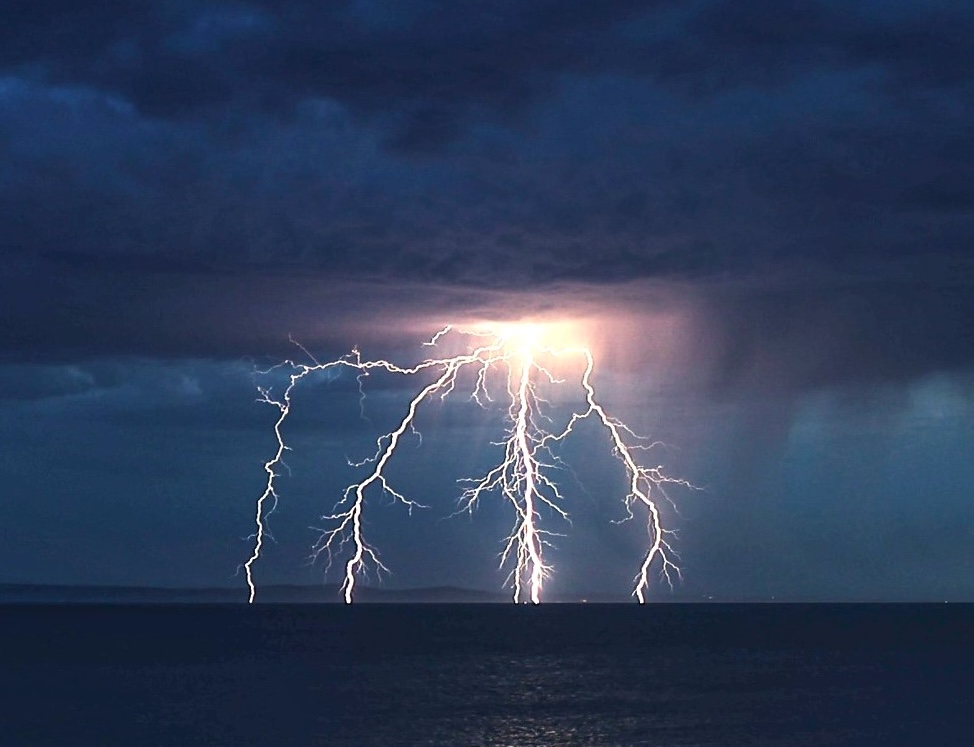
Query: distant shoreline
(273, 594)
(12, 593)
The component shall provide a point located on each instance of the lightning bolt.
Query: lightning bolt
(521, 477)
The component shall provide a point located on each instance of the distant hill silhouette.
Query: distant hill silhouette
(279, 594)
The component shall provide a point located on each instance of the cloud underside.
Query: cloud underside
(206, 178)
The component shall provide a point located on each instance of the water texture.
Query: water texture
(668, 674)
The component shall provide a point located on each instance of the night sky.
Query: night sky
(761, 210)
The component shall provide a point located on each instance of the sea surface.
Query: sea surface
(486, 674)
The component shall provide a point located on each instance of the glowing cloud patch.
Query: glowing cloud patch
(527, 357)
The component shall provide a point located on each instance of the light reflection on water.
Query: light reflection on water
(677, 697)
(455, 676)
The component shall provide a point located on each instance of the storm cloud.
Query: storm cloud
(184, 185)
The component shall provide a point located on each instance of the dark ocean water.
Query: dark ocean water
(668, 674)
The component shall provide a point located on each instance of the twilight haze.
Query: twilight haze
(760, 213)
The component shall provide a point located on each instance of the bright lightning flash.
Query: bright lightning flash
(525, 355)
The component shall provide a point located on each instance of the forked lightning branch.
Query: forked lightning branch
(524, 358)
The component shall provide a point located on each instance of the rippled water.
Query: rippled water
(487, 675)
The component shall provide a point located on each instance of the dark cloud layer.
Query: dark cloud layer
(170, 167)
(413, 60)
